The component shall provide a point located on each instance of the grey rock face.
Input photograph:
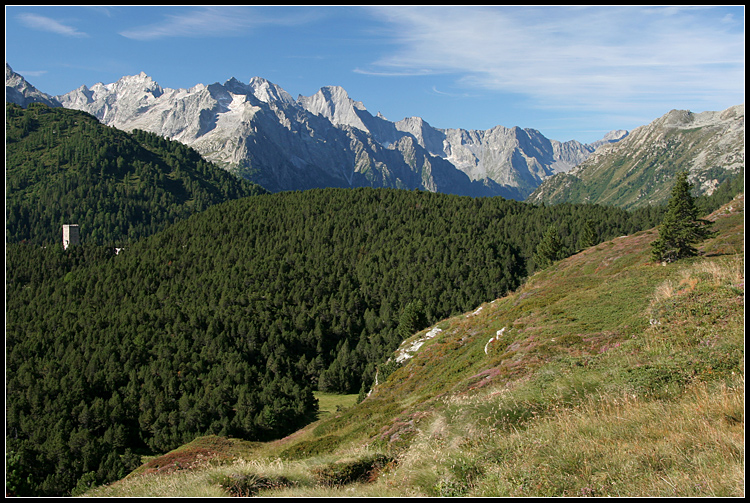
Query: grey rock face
(20, 92)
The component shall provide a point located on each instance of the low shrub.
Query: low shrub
(346, 472)
(248, 484)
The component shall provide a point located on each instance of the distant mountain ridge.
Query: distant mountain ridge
(20, 92)
(260, 132)
(638, 170)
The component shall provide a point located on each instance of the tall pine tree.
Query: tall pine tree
(588, 235)
(681, 227)
(550, 249)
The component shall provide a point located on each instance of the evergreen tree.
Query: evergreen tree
(588, 235)
(681, 227)
(412, 319)
(549, 249)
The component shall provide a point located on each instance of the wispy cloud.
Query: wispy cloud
(577, 57)
(43, 23)
(211, 22)
(31, 73)
(435, 90)
(399, 73)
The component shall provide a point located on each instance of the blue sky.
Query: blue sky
(570, 72)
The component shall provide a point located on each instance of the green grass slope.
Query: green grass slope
(603, 375)
(226, 322)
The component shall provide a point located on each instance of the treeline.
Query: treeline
(63, 166)
(226, 322)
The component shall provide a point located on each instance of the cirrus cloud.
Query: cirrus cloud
(212, 22)
(42, 23)
(601, 57)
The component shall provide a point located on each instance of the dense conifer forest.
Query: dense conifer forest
(226, 321)
(64, 166)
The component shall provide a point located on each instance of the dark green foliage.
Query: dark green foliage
(722, 195)
(550, 249)
(463, 474)
(656, 378)
(63, 166)
(681, 227)
(588, 235)
(412, 319)
(386, 369)
(310, 448)
(245, 485)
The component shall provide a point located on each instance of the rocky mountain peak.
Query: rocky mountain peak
(709, 145)
(615, 135)
(236, 87)
(677, 118)
(18, 91)
(129, 85)
(737, 111)
(11, 77)
(334, 103)
(267, 92)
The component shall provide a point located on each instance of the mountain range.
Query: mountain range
(260, 132)
(638, 171)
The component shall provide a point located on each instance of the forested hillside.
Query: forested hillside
(605, 374)
(64, 166)
(227, 321)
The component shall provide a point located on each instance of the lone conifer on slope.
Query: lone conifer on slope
(588, 235)
(681, 227)
(550, 249)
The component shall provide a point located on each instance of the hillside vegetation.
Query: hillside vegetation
(603, 375)
(226, 322)
(64, 166)
(229, 309)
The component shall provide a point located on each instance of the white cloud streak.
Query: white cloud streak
(571, 57)
(31, 73)
(210, 22)
(47, 24)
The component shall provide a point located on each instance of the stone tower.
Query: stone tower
(71, 235)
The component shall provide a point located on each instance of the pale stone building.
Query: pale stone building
(71, 235)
